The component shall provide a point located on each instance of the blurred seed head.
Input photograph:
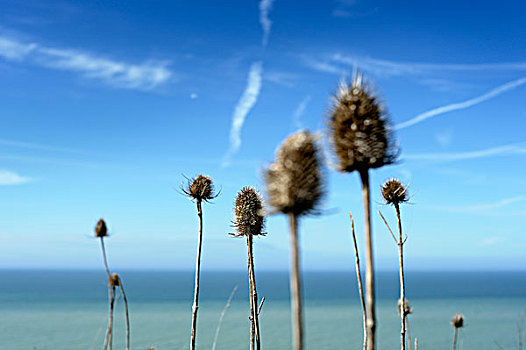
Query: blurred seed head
(359, 128)
(115, 280)
(200, 188)
(248, 210)
(100, 229)
(457, 321)
(294, 180)
(394, 192)
(407, 307)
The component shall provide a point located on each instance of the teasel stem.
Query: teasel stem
(369, 267)
(416, 344)
(295, 285)
(195, 306)
(408, 333)
(402, 278)
(455, 339)
(360, 286)
(108, 340)
(227, 305)
(123, 293)
(254, 328)
(104, 258)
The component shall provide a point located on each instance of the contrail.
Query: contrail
(462, 105)
(517, 148)
(264, 8)
(299, 112)
(243, 107)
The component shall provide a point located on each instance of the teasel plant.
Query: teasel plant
(360, 284)
(199, 189)
(295, 187)
(361, 139)
(394, 193)
(249, 222)
(407, 310)
(114, 282)
(457, 322)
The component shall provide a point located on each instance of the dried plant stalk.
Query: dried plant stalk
(360, 286)
(255, 336)
(295, 285)
(108, 340)
(195, 305)
(227, 305)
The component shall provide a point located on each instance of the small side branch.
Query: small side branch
(261, 305)
(389, 228)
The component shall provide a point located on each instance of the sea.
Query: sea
(53, 310)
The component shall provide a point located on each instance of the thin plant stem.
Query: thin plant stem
(402, 279)
(408, 333)
(455, 339)
(416, 344)
(195, 306)
(253, 297)
(126, 313)
(104, 258)
(369, 266)
(360, 286)
(227, 305)
(108, 340)
(295, 285)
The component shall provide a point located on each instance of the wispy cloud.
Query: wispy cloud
(491, 241)
(482, 206)
(144, 76)
(264, 8)
(517, 148)
(462, 105)
(8, 178)
(243, 107)
(299, 112)
(37, 146)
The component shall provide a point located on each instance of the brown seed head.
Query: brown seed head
(115, 280)
(200, 188)
(100, 229)
(294, 180)
(359, 129)
(394, 192)
(407, 307)
(249, 219)
(457, 321)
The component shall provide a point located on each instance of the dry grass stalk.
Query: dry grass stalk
(295, 187)
(227, 305)
(361, 141)
(458, 322)
(249, 221)
(199, 189)
(360, 286)
(395, 193)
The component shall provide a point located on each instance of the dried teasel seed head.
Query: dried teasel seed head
(115, 280)
(457, 321)
(294, 180)
(248, 210)
(394, 192)
(407, 307)
(100, 229)
(359, 128)
(200, 188)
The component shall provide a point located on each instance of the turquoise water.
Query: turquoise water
(68, 310)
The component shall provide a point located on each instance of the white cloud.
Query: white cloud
(243, 107)
(462, 105)
(518, 148)
(143, 76)
(299, 112)
(444, 137)
(193, 96)
(264, 8)
(490, 241)
(10, 178)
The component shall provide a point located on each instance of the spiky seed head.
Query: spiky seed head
(359, 128)
(457, 321)
(294, 180)
(394, 192)
(248, 210)
(200, 188)
(407, 307)
(115, 280)
(100, 229)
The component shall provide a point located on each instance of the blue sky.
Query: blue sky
(104, 105)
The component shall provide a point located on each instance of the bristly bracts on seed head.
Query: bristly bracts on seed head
(200, 188)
